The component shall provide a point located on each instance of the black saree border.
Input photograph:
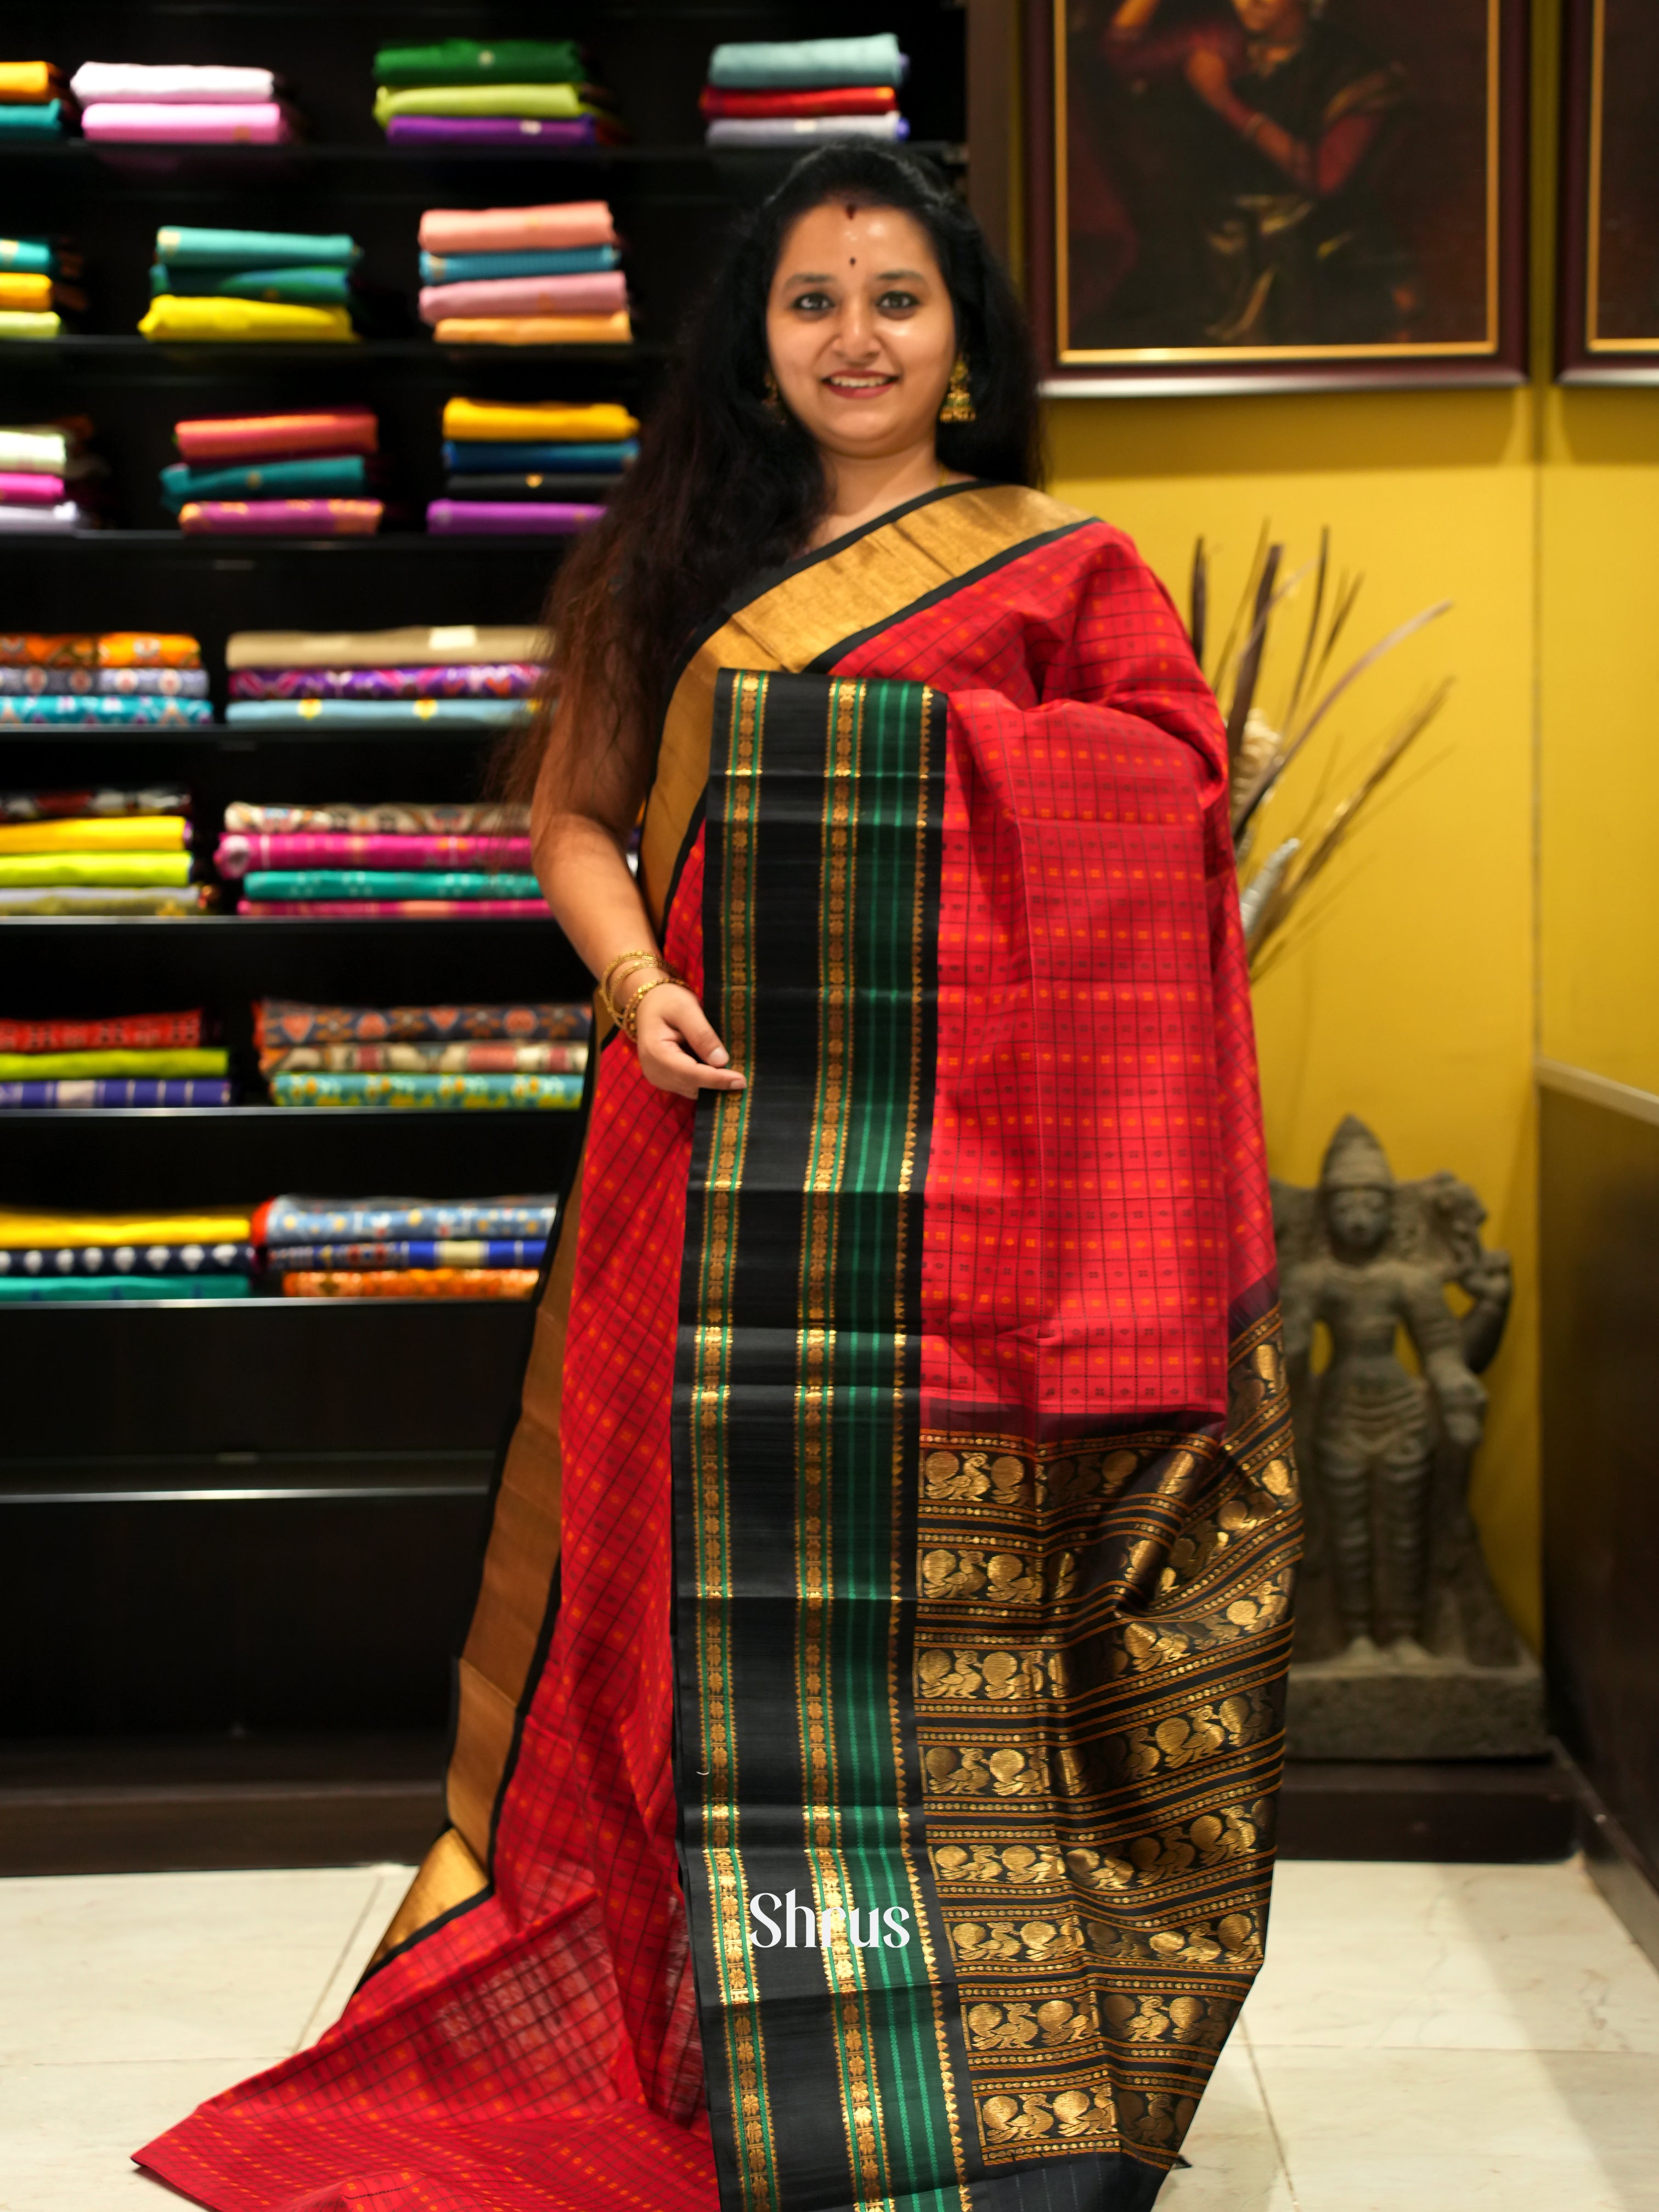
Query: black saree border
(797, 1423)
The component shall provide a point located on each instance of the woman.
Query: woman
(862, 1790)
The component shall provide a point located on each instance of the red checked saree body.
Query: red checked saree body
(868, 1734)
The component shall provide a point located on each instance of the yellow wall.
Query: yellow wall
(1411, 1002)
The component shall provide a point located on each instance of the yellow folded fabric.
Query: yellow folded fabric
(24, 1229)
(19, 289)
(51, 1067)
(170, 317)
(26, 870)
(535, 330)
(495, 422)
(560, 101)
(27, 82)
(137, 833)
(29, 322)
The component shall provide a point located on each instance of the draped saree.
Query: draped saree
(868, 1736)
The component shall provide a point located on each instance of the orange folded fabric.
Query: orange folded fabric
(117, 648)
(515, 230)
(535, 330)
(411, 1283)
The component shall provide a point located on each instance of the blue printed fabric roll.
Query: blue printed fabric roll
(62, 707)
(71, 1091)
(484, 460)
(127, 1289)
(112, 683)
(295, 1219)
(446, 713)
(481, 268)
(431, 1092)
(410, 1252)
(386, 884)
(788, 64)
(50, 1263)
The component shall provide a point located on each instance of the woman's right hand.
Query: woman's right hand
(678, 1047)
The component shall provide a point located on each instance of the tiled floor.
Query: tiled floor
(1423, 2038)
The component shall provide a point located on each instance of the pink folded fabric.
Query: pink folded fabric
(240, 850)
(419, 909)
(513, 230)
(17, 489)
(281, 518)
(268, 437)
(250, 123)
(604, 293)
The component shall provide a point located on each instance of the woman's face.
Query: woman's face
(860, 330)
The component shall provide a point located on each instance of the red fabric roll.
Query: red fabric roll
(263, 437)
(819, 100)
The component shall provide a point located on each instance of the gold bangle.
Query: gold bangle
(640, 955)
(629, 1021)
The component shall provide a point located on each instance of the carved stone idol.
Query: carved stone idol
(1403, 1651)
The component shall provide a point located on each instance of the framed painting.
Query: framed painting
(1279, 195)
(1607, 318)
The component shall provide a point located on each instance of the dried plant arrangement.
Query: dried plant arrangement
(1261, 746)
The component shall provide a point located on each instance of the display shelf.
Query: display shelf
(130, 353)
(395, 542)
(134, 157)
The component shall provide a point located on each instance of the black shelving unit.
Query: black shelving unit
(232, 1523)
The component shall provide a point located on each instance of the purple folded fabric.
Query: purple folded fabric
(497, 679)
(605, 292)
(120, 1090)
(19, 487)
(251, 122)
(408, 909)
(281, 518)
(490, 130)
(509, 518)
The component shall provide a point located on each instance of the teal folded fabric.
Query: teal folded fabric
(71, 707)
(799, 63)
(178, 248)
(340, 476)
(388, 884)
(428, 1091)
(444, 713)
(27, 257)
(309, 288)
(85, 1290)
(556, 261)
(30, 117)
(471, 61)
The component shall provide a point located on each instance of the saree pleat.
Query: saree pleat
(899, 1519)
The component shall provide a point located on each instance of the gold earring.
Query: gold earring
(774, 398)
(958, 405)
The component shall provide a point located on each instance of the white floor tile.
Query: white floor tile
(1234, 2164)
(1384, 2130)
(67, 2133)
(359, 1948)
(110, 1967)
(1487, 1958)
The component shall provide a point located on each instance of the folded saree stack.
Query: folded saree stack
(277, 285)
(403, 1247)
(795, 92)
(532, 94)
(122, 1060)
(458, 863)
(192, 104)
(32, 101)
(129, 855)
(545, 468)
(553, 301)
(446, 677)
(432, 1057)
(305, 476)
(65, 1257)
(45, 473)
(36, 286)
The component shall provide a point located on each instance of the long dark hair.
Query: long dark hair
(722, 490)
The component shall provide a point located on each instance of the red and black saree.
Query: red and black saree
(868, 1734)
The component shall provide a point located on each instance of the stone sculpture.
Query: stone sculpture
(1403, 1649)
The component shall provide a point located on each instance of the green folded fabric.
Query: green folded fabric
(469, 61)
(51, 1067)
(31, 256)
(559, 101)
(29, 871)
(31, 115)
(434, 1093)
(309, 287)
(337, 475)
(180, 248)
(29, 1290)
